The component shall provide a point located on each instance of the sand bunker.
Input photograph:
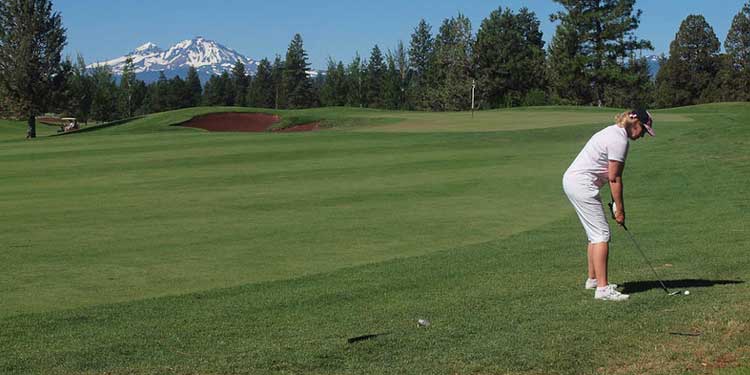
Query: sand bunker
(243, 122)
(233, 122)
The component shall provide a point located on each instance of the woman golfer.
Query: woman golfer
(602, 160)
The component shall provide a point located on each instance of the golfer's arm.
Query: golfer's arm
(615, 183)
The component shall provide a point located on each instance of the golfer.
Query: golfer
(602, 160)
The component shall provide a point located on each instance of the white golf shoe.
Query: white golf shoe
(591, 284)
(609, 293)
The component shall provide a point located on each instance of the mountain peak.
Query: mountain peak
(207, 56)
(147, 47)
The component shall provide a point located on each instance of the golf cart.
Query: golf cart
(68, 124)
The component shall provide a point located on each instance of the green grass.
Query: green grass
(16, 130)
(146, 248)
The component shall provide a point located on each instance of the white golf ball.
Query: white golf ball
(687, 292)
(423, 323)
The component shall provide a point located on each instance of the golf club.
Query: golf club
(645, 258)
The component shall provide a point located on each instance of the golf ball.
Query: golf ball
(423, 323)
(687, 292)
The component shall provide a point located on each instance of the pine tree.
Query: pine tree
(277, 74)
(138, 100)
(421, 57)
(331, 92)
(160, 94)
(375, 79)
(566, 68)
(402, 66)
(296, 83)
(634, 92)
(213, 95)
(104, 103)
(240, 83)
(81, 91)
(195, 90)
(509, 58)
(245, 96)
(391, 84)
(450, 89)
(227, 89)
(61, 89)
(604, 35)
(261, 92)
(692, 65)
(316, 83)
(327, 91)
(341, 87)
(31, 42)
(734, 79)
(127, 85)
(355, 82)
(178, 93)
(729, 84)
(737, 44)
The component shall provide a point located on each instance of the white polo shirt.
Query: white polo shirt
(592, 164)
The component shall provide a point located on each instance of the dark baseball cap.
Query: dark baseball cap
(646, 120)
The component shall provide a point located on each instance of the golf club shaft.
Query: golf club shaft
(637, 246)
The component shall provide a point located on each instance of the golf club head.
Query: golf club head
(675, 293)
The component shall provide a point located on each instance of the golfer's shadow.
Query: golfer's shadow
(632, 287)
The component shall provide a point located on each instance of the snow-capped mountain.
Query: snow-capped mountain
(653, 65)
(653, 62)
(207, 56)
(147, 49)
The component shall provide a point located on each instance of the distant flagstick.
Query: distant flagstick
(473, 86)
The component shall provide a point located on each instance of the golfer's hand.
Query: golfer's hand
(620, 217)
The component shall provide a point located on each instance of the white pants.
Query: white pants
(584, 196)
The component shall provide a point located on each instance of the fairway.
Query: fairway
(150, 248)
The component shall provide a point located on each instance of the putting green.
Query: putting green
(507, 120)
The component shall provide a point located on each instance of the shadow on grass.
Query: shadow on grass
(642, 286)
(353, 340)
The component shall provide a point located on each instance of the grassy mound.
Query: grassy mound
(370, 120)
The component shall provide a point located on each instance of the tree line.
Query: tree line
(594, 58)
(697, 72)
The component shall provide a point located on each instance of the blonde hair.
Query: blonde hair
(626, 119)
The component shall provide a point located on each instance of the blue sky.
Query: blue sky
(101, 30)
